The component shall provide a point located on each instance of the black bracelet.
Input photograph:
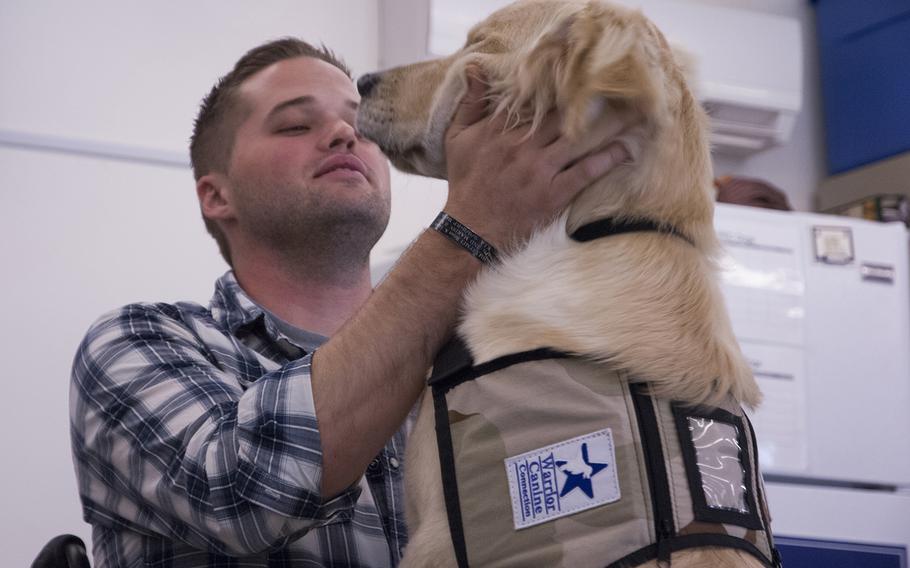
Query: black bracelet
(464, 237)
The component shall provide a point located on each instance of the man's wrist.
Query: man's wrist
(464, 237)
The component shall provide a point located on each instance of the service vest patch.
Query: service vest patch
(562, 478)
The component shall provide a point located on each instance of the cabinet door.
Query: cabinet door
(865, 67)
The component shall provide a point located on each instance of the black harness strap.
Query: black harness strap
(451, 362)
(449, 481)
(683, 542)
(454, 366)
(658, 479)
(667, 538)
(607, 227)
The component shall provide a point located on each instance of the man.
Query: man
(202, 434)
(753, 192)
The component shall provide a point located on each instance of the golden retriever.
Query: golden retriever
(646, 303)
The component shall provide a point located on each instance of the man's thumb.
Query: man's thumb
(473, 105)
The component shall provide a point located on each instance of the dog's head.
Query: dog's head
(584, 59)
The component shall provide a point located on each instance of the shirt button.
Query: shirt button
(394, 463)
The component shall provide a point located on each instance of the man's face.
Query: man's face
(299, 172)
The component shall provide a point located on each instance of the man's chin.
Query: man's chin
(359, 209)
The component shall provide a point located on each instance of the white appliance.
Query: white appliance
(821, 307)
(747, 65)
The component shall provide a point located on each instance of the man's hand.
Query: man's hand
(504, 183)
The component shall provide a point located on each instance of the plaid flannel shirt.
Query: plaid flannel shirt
(195, 443)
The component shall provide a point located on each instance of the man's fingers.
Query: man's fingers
(589, 169)
(563, 148)
(550, 128)
(473, 107)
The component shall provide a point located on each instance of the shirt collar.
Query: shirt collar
(231, 307)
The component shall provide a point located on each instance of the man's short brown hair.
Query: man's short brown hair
(220, 114)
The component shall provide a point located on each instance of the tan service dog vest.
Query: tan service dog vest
(552, 460)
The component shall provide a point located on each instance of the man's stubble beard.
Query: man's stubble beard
(330, 239)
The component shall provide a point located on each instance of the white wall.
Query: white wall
(83, 234)
(80, 237)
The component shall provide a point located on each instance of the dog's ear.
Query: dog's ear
(687, 62)
(597, 54)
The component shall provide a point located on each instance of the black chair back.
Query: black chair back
(64, 551)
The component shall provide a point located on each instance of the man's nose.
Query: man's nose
(366, 83)
(342, 134)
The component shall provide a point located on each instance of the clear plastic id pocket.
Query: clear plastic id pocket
(718, 466)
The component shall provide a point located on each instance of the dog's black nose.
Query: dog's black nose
(366, 83)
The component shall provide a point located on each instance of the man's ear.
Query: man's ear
(215, 199)
(593, 55)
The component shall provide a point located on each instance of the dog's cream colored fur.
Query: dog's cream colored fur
(647, 303)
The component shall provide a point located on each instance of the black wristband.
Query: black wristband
(464, 237)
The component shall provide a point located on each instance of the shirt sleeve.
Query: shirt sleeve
(166, 441)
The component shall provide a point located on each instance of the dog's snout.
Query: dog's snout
(366, 83)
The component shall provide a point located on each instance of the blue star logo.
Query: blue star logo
(579, 473)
